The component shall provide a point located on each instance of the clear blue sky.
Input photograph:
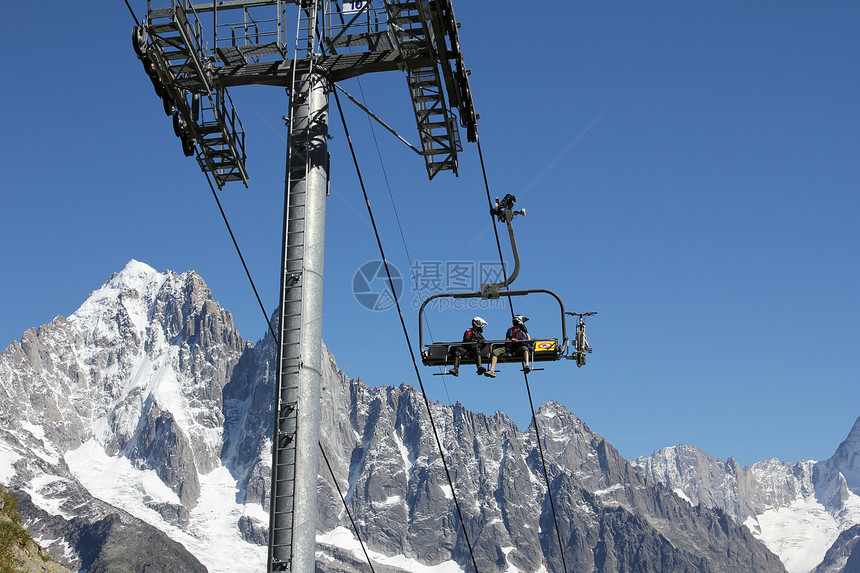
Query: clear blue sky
(690, 171)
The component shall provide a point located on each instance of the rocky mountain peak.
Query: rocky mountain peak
(146, 399)
(140, 368)
(839, 474)
(134, 272)
(847, 458)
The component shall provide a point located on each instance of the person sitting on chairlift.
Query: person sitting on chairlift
(473, 335)
(514, 344)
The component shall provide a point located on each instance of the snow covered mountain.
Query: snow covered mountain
(119, 406)
(807, 513)
(136, 434)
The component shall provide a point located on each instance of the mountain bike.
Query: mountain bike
(580, 343)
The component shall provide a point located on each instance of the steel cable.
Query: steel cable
(525, 374)
(275, 338)
(343, 499)
(271, 330)
(394, 207)
(405, 331)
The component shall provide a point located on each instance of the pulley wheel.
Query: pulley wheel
(169, 105)
(138, 40)
(187, 146)
(179, 127)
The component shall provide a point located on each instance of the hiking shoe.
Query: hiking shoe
(481, 370)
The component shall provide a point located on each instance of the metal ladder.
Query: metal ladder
(290, 349)
(209, 119)
(437, 127)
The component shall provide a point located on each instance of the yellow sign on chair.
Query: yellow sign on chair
(545, 346)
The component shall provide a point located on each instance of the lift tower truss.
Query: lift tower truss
(193, 53)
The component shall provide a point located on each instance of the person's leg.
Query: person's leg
(455, 371)
(495, 358)
(480, 366)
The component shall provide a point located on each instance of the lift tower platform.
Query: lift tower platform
(194, 52)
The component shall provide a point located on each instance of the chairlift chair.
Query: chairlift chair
(540, 349)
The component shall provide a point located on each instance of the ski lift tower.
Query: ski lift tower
(192, 53)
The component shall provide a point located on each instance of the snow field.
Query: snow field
(213, 535)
